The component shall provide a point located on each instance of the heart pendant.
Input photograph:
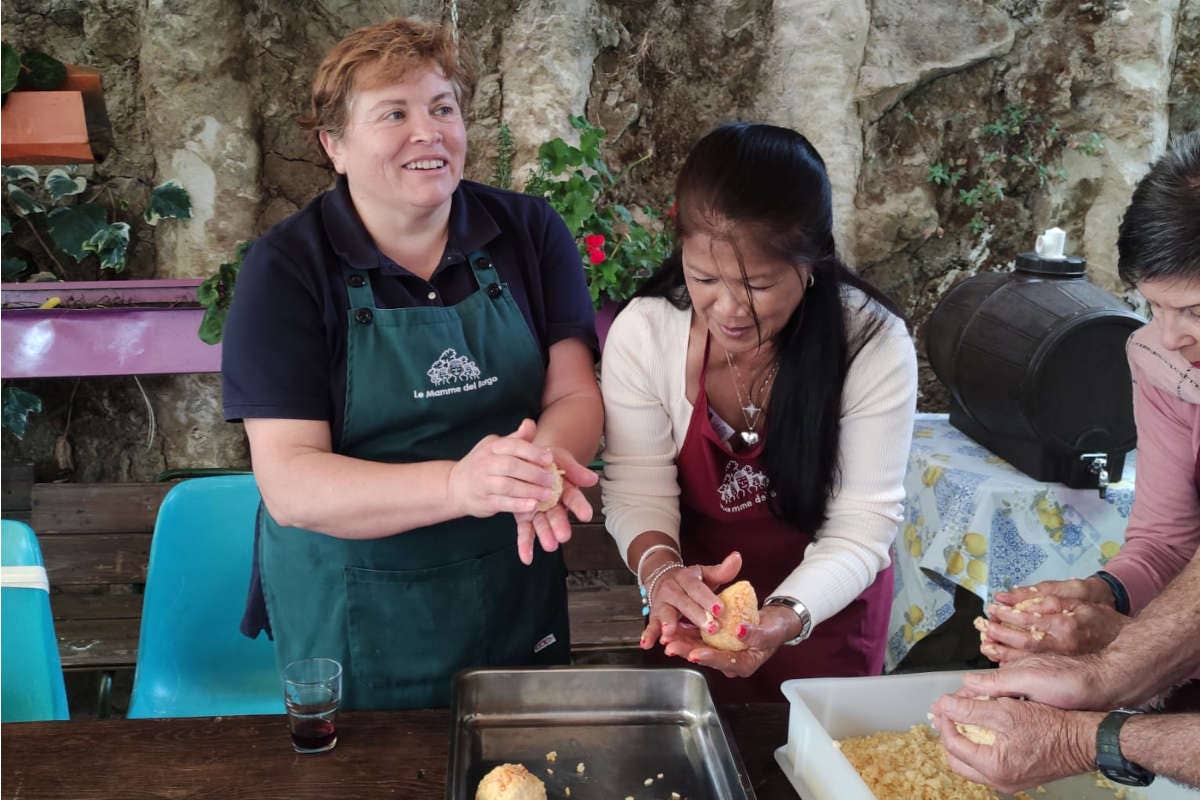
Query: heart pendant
(750, 438)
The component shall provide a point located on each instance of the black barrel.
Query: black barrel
(1035, 364)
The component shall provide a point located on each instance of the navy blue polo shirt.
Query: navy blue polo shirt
(284, 349)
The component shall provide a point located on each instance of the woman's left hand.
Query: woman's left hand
(552, 527)
(762, 640)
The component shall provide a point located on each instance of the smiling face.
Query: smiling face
(1175, 304)
(404, 144)
(722, 296)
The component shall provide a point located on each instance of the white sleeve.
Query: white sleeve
(640, 489)
(878, 406)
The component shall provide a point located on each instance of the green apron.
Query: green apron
(403, 613)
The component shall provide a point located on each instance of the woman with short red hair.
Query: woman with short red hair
(412, 354)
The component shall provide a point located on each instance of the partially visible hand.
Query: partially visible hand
(1070, 682)
(1093, 590)
(686, 595)
(502, 473)
(551, 527)
(762, 640)
(1034, 743)
(1049, 624)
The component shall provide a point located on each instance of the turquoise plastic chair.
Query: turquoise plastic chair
(192, 661)
(31, 677)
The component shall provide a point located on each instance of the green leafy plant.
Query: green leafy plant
(18, 404)
(75, 225)
(32, 70)
(502, 175)
(1018, 151)
(216, 295)
(619, 250)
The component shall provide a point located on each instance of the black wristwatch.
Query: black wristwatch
(1109, 760)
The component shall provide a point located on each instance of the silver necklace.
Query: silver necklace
(751, 411)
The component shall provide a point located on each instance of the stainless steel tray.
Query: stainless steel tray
(625, 724)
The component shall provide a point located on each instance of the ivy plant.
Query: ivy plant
(619, 251)
(18, 404)
(216, 295)
(64, 222)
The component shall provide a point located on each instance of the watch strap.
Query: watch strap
(1109, 758)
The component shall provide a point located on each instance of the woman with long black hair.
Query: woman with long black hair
(759, 401)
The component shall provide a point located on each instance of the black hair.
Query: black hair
(767, 184)
(1160, 233)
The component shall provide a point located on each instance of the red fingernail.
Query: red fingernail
(692, 659)
(717, 608)
(713, 628)
(741, 631)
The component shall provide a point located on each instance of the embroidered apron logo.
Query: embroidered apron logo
(741, 487)
(455, 374)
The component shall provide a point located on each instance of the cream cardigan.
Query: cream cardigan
(647, 413)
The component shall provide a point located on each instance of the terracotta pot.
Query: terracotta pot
(44, 128)
(55, 127)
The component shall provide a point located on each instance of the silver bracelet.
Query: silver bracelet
(648, 551)
(654, 581)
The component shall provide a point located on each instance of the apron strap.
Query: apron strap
(485, 271)
(358, 288)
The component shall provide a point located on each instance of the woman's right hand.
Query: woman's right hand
(502, 474)
(685, 594)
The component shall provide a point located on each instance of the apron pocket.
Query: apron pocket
(528, 616)
(410, 631)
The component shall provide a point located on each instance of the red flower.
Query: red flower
(671, 211)
(596, 255)
(593, 241)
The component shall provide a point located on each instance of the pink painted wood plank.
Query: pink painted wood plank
(59, 342)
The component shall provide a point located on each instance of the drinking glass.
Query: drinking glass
(312, 694)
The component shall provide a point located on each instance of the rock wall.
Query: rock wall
(907, 100)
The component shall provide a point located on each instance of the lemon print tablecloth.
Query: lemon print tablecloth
(972, 520)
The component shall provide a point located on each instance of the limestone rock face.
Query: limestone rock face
(911, 42)
(810, 84)
(954, 131)
(202, 123)
(546, 68)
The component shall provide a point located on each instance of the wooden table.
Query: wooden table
(398, 754)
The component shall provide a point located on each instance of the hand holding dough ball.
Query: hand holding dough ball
(557, 488)
(510, 782)
(739, 604)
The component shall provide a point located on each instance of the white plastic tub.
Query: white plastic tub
(824, 709)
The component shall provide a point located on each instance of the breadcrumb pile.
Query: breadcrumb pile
(909, 766)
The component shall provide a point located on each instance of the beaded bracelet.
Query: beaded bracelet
(648, 588)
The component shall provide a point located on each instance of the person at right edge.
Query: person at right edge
(759, 401)
(1159, 255)
(1066, 704)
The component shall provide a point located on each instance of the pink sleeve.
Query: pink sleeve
(1164, 526)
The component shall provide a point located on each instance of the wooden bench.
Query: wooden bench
(95, 540)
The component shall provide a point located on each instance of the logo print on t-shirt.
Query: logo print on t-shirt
(741, 487)
(450, 367)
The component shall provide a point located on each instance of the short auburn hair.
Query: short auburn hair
(378, 54)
